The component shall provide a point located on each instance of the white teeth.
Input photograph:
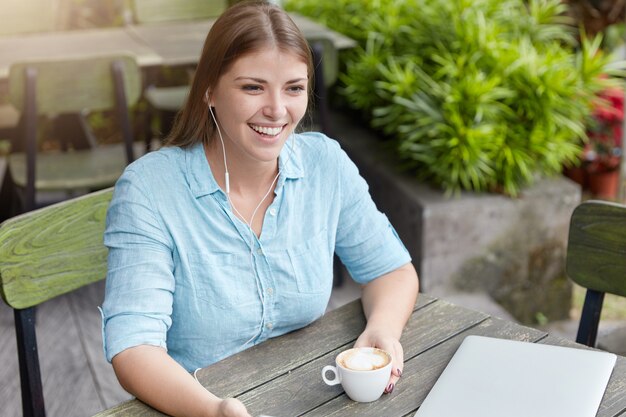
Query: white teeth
(271, 131)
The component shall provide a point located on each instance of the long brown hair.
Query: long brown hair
(243, 28)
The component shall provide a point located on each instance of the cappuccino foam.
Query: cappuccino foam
(364, 359)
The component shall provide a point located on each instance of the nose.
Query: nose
(275, 106)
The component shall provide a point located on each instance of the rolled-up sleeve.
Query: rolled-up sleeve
(137, 307)
(367, 243)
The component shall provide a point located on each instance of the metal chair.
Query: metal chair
(596, 259)
(61, 87)
(44, 254)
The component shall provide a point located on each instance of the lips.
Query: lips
(267, 130)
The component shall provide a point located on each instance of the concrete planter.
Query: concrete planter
(511, 249)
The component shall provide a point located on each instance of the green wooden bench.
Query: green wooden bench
(69, 87)
(596, 259)
(43, 254)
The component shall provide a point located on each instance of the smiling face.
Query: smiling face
(258, 103)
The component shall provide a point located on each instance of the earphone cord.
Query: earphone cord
(249, 224)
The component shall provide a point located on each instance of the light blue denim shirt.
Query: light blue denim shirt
(181, 272)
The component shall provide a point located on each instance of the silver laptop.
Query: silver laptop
(490, 377)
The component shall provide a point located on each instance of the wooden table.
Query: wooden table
(72, 44)
(169, 43)
(282, 377)
(180, 43)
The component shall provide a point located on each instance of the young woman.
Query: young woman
(225, 237)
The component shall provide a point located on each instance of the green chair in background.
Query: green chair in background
(43, 254)
(50, 88)
(596, 259)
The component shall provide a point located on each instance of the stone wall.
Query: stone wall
(511, 249)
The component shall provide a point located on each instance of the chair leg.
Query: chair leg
(30, 375)
(337, 272)
(121, 106)
(590, 318)
(30, 134)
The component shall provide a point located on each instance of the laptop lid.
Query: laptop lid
(490, 377)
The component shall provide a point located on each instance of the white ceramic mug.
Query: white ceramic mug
(360, 385)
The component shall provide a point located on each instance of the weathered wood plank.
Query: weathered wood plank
(83, 304)
(285, 394)
(64, 361)
(9, 371)
(68, 386)
(260, 364)
(596, 248)
(53, 251)
(422, 371)
(614, 400)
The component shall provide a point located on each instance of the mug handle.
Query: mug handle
(332, 369)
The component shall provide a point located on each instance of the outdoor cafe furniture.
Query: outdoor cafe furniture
(596, 259)
(52, 87)
(281, 377)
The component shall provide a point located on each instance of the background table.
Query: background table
(180, 43)
(72, 44)
(169, 43)
(282, 377)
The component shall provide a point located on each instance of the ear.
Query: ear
(207, 98)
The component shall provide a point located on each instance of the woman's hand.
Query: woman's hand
(231, 407)
(388, 302)
(387, 342)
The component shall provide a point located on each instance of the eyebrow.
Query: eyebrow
(262, 81)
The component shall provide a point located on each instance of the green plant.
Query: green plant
(481, 95)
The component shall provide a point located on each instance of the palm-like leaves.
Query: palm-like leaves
(480, 94)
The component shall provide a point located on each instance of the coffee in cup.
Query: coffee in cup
(362, 372)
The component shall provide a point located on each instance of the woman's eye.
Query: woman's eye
(251, 87)
(296, 88)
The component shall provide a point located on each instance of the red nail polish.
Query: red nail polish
(399, 372)
(390, 388)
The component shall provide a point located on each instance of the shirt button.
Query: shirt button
(269, 326)
(273, 211)
(259, 251)
(270, 291)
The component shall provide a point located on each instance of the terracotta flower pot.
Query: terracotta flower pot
(578, 175)
(603, 184)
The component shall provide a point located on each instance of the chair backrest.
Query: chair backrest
(152, 11)
(26, 16)
(52, 251)
(596, 258)
(330, 59)
(73, 85)
(70, 86)
(44, 254)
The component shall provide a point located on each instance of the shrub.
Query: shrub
(481, 95)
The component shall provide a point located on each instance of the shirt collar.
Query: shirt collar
(199, 175)
(290, 160)
(201, 179)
